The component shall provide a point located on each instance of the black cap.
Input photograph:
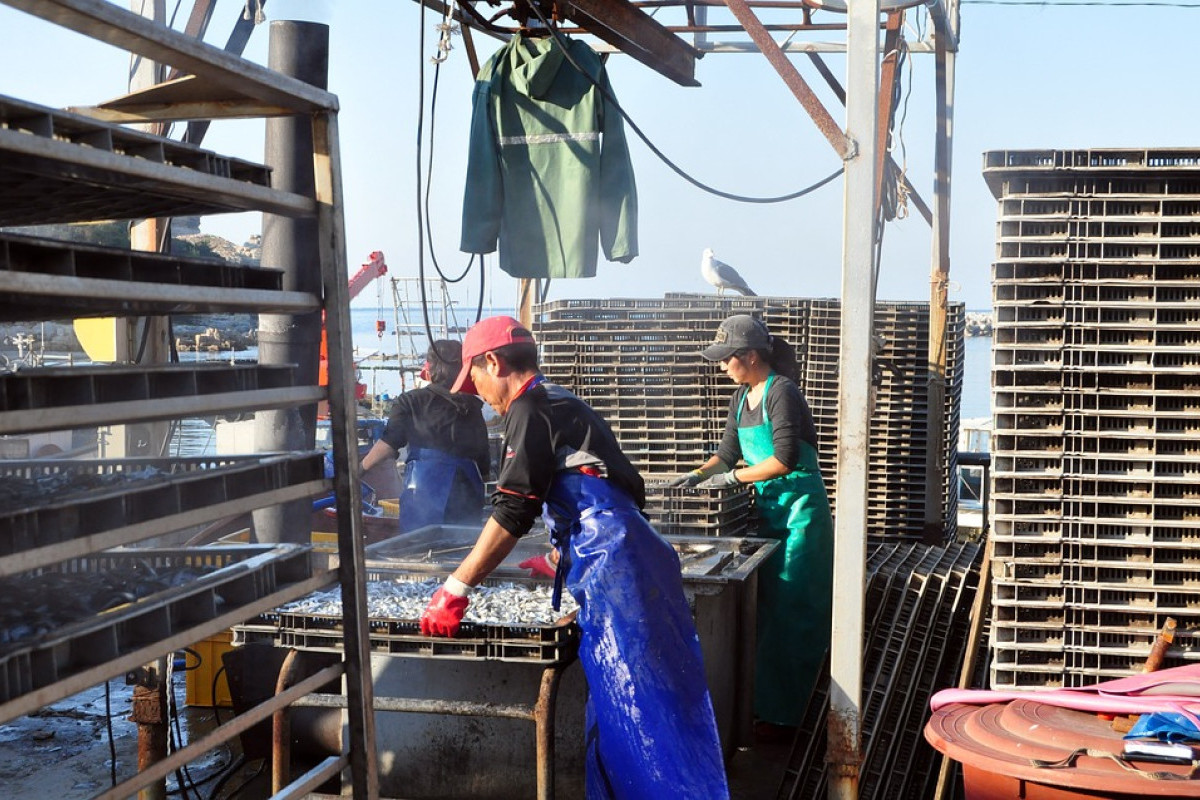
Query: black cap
(739, 332)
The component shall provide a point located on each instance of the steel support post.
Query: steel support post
(939, 288)
(299, 50)
(939, 284)
(854, 399)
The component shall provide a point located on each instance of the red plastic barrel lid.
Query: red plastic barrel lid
(1003, 738)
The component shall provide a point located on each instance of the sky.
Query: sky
(1045, 76)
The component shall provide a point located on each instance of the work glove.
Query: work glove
(686, 479)
(445, 611)
(720, 481)
(539, 566)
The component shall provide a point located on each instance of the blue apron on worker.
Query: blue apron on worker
(438, 489)
(795, 585)
(650, 725)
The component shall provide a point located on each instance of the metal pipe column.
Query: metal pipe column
(854, 399)
(939, 285)
(299, 50)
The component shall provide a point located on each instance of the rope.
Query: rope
(1123, 763)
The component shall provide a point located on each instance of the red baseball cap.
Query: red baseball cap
(483, 337)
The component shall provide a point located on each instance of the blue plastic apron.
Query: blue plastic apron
(650, 726)
(432, 480)
(795, 585)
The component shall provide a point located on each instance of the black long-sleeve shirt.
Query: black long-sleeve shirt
(432, 417)
(791, 423)
(547, 430)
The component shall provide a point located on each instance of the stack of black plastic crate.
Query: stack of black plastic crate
(1096, 459)
(638, 363)
(899, 433)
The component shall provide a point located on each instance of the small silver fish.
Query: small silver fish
(501, 604)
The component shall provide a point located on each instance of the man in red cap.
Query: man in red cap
(651, 730)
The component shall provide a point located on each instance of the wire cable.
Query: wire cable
(229, 773)
(482, 273)
(215, 705)
(241, 788)
(112, 745)
(659, 153)
(437, 71)
(190, 652)
(183, 778)
(421, 223)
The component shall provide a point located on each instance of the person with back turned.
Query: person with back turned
(650, 725)
(771, 428)
(447, 443)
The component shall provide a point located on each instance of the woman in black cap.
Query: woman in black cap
(770, 428)
(447, 443)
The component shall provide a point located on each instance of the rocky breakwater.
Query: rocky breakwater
(215, 333)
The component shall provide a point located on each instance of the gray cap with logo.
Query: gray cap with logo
(739, 332)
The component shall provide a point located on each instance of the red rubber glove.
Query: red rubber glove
(539, 566)
(444, 613)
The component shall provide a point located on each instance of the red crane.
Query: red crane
(375, 267)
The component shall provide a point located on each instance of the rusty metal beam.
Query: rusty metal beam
(832, 80)
(939, 280)
(637, 34)
(787, 70)
(887, 83)
(472, 54)
(196, 27)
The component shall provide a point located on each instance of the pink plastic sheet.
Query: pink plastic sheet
(1176, 689)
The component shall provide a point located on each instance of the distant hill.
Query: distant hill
(185, 241)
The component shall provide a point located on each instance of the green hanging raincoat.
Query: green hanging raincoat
(795, 586)
(548, 174)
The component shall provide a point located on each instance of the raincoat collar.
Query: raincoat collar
(535, 62)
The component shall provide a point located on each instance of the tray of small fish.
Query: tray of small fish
(505, 621)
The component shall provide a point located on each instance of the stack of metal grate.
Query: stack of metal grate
(1096, 378)
(638, 363)
(918, 604)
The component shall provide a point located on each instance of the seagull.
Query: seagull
(721, 275)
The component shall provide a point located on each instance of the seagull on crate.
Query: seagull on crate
(722, 276)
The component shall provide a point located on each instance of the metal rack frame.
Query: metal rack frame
(72, 149)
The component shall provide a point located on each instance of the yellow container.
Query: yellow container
(200, 674)
(324, 541)
(391, 508)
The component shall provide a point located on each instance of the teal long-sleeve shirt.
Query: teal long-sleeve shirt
(549, 176)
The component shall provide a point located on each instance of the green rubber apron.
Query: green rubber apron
(795, 585)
